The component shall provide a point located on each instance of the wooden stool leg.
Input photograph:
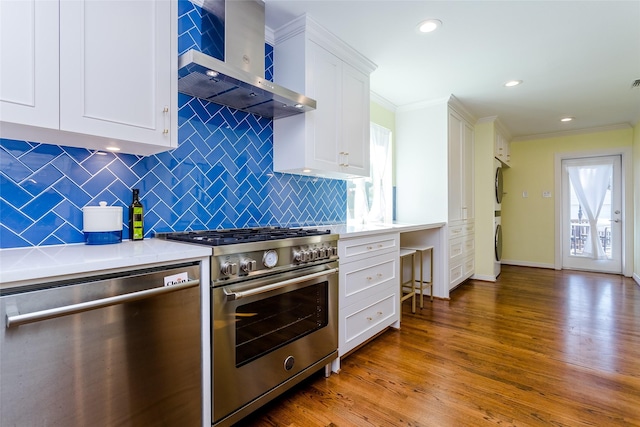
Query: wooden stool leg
(420, 254)
(413, 283)
(431, 274)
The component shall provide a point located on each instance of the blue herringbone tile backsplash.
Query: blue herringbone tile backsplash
(220, 176)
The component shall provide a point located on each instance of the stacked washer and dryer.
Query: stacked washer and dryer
(497, 226)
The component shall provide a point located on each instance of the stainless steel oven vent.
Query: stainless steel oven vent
(238, 81)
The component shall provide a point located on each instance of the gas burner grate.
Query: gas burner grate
(242, 235)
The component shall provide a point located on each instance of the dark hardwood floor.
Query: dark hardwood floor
(537, 348)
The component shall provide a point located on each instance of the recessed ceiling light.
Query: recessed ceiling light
(429, 25)
(566, 119)
(512, 83)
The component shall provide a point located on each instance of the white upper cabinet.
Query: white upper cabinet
(461, 188)
(333, 140)
(502, 147)
(29, 82)
(114, 68)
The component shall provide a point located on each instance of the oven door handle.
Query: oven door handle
(231, 295)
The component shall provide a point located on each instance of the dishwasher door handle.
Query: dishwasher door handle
(15, 319)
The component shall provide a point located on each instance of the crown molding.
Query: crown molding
(383, 102)
(572, 132)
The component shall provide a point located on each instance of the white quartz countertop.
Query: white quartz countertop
(362, 230)
(24, 266)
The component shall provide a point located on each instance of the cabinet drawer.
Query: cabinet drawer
(456, 273)
(469, 266)
(456, 230)
(461, 228)
(469, 227)
(469, 244)
(363, 278)
(355, 249)
(358, 324)
(456, 248)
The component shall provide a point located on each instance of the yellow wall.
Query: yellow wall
(529, 223)
(636, 192)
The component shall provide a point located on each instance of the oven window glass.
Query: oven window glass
(268, 324)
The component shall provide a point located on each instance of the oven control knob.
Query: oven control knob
(229, 268)
(270, 259)
(248, 265)
(322, 253)
(333, 251)
(306, 256)
(314, 254)
(297, 255)
(288, 363)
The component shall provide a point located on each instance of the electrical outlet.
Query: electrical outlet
(525, 194)
(546, 194)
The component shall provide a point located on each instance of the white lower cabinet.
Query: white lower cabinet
(369, 289)
(370, 316)
(461, 251)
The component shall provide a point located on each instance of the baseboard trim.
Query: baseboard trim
(636, 277)
(484, 278)
(527, 264)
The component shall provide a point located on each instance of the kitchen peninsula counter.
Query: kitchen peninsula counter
(362, 230)
(30, 265)
(410, 235)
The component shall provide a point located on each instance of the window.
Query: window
(369, 200)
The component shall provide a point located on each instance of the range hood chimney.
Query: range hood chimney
(238, 81)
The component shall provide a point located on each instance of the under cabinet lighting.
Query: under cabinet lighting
(212, 73)
(113, 148)
(566, 119)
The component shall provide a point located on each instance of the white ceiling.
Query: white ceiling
(576, 58)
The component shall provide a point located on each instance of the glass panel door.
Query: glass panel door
(592, 230)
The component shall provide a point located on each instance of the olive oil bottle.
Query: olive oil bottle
(136, 217)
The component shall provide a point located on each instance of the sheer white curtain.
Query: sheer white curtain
(369, 199)
(590, 184)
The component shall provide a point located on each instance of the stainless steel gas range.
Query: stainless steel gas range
(274, 303)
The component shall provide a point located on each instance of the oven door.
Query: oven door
(269, 334)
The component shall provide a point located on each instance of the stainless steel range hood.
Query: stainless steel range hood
(238, 82)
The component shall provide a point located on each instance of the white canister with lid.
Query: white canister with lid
(102, 224)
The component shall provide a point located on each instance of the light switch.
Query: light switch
(525, 194)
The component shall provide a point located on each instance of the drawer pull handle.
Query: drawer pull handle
(369, 278)
(379, 274)
(379, 313)
(369, 248)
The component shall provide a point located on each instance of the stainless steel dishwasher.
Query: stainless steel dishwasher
(113, 350)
